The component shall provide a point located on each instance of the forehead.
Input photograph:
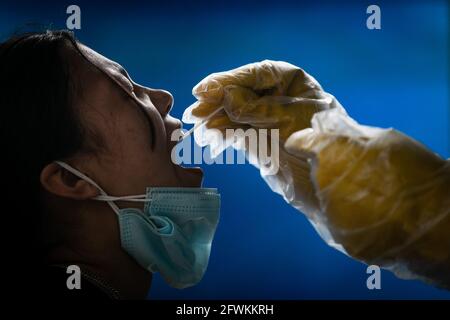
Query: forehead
(106, 65)
(100, 75)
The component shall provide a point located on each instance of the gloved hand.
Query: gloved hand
(383, 197)
(267, 94)
(377, 195)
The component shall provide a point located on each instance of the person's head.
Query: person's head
(63, 101)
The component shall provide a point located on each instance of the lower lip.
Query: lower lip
(193, 176)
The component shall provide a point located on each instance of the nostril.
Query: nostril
(168, 107)
(162, 100)
(169, 101)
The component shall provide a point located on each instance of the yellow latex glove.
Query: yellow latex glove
(383, 197)
(267, 94)
(377, 195)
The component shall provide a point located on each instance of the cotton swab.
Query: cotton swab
(199, 124)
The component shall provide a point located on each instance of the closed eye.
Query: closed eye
(125, 75)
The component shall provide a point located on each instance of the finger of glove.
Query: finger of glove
(288, 114)
(266, 75)
(343, 177)
(222, 122)
(216, 134)
(335, 154)
(219, 122)
(300, 172)
(198, 111)
(304, 85)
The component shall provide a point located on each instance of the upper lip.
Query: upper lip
(178, 125)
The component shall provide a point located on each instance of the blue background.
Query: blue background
(394, 77)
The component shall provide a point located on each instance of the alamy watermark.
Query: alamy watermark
(374, 280)
(74, 19)
(74, 280)
(373, 21)
(259, 146)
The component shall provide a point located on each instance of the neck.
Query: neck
(93, 244)
(129, 283)
(129, 280)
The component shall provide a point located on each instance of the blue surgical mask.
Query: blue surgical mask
(174, 232)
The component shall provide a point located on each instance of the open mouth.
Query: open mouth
(190, 177)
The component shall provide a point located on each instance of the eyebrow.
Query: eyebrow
(121, 70)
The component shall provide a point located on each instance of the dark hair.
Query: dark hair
(38, 124)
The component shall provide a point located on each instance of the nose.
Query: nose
(162, 100)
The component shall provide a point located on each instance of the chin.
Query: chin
(189, 177)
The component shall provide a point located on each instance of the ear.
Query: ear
(60, 182)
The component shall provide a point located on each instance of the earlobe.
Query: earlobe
(60, 182)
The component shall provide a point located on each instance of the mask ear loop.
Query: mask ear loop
(104, 196)
(136, 198)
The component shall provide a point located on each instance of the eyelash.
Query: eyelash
(130, 86)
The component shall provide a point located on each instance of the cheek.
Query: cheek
(132, 164)
(135, 130)
(137, 164)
